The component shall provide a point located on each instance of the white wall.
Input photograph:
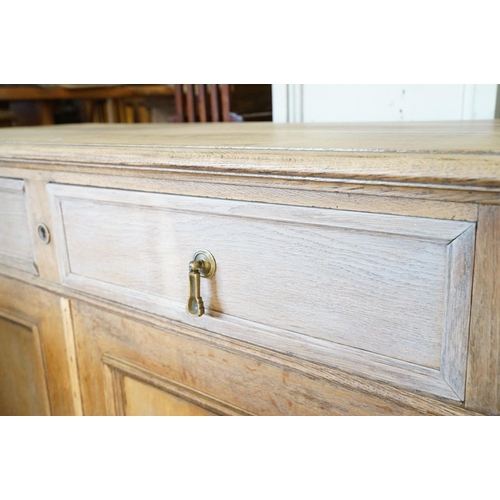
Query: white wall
(366, 103)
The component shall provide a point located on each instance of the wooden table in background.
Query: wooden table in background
(47, 95)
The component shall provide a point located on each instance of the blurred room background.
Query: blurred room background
(27, 105)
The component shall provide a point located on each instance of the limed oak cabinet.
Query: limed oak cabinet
(330, 270)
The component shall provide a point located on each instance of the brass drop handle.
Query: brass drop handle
(203, 265)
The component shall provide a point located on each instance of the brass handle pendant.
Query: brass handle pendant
(203, 264)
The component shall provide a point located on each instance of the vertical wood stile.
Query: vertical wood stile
(483, 369)
(69, 337)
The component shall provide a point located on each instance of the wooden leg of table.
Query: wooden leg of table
(46, 113)
(110, 110)
(86, 110)
(129, 113)
(143, 114)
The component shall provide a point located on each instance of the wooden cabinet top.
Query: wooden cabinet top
(465, 153)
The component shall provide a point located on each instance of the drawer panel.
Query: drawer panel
(16, 249)
(383, 296)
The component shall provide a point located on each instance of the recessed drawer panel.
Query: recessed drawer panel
(16, 248)
(383, 296)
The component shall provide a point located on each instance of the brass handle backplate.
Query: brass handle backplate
(203, 265)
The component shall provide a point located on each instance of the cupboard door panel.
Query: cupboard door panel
(128, 367)
(143, 399)
(23, 384)
(35, 376)
(134, 391)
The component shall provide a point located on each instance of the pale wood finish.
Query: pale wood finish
(460, 137)
(431, 203)
(69, 338)
(243, 384)
(23, 387)
(15, 233)
(317, 267)
(410, 153)
(483, 371)
(143, 400)
(131, 390)
(268, 188)
(460, 261)
(33, 358)
(419, 402)
(430, 171)
(39, 213)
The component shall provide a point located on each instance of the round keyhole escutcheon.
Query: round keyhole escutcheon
(43, 233)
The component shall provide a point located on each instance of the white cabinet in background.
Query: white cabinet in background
(323, 103)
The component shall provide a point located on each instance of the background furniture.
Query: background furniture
(203, 103)
(356, 269)
(49, 104)
(333, 103)
(101, 103)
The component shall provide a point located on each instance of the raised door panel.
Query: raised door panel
(128, 367)
(142, 399)
(132, 390)
(383, 296)
(23, 382)
(35, 372)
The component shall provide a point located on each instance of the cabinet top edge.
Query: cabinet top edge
(456, 137)
(463, 152)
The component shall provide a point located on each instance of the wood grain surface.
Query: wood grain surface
(34, 371)
(134, 390)
(402, 244)
(23, 385)
(146, 400)
(237, 382)
(483, 371)
(462, 153)
(366, 291)
(469, 136)
(16, 248)
(423, 404)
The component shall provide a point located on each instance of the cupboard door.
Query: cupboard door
(131, 368)
(23, 387)
(34, 369)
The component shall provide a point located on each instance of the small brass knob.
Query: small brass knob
(203, 265)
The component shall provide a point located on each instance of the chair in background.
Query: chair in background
(203, 103)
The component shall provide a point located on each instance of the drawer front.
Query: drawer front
(383, 296)
(16, 249)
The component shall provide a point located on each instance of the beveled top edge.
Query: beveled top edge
(462, 137)
(463, 154)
